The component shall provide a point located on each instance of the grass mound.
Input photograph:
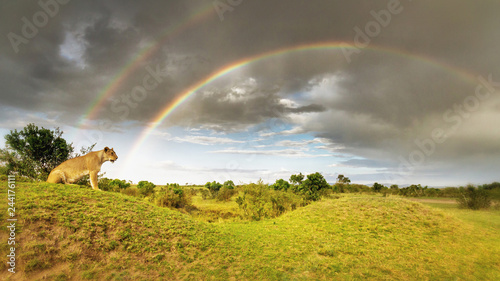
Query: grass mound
(374, 238)
(71, 233)
(77, 233)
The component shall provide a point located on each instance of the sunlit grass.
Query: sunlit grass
(68, 233)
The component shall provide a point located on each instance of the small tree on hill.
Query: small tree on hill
(312, 185)
(281, 184)
(213, 187)
(229, 184)
(342, 184)
(343, 179)
(297, 179)
(33, 152)
(377, 187)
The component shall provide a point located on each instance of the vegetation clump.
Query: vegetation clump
(259, 201)
(146, 188)
(474, 198)
(173, 196)
(116, 185)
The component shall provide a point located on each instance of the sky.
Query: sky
(394, 91)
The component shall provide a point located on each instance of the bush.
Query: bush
(474, 198)
(229, 184)
(225, 194)
(117, 184)
(493, 190)
(103, 184)
(214, 188)
(259, 201)
(146, 188)
(112, 185)
(173, 197)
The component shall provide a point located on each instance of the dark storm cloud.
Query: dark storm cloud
(375, 104)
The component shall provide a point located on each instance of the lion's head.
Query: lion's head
(110, 154)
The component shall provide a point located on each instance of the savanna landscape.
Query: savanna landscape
(249, 140)
(68, 232)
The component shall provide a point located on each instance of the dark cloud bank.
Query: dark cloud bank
(374, 104)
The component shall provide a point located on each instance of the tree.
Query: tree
(394, 189)
(377, 187)
(281, 184)
(342, 184)
(297, 179)
(343, 179)
(312, 185)
(33, 152)
(229, 184)
(214, 188)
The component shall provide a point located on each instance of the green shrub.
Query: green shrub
(214, 188)
(225, 194)
(340, 187)
(229, 184)
(117, 184)
(281, 184)
(146, 188)
(112, 185)
(259, 201)
(474, 198)
(173, 197)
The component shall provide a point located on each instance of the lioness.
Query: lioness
(74, 169)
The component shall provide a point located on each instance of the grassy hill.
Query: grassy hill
(72, 233)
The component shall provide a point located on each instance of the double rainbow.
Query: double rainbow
(182, 97)
(193, 19)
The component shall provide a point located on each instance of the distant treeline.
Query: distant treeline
(417, 190)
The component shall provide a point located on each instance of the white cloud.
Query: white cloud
(197, 139)
(206, 140)
(171, 165)
(283, 153)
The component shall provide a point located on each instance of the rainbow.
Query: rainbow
(136, 61)
(180, 98)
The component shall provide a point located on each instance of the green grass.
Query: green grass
(211, 210)
(69, 233)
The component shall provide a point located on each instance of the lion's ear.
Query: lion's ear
(106, 149)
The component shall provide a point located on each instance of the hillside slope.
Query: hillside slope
(74, 232)
(71, 233)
